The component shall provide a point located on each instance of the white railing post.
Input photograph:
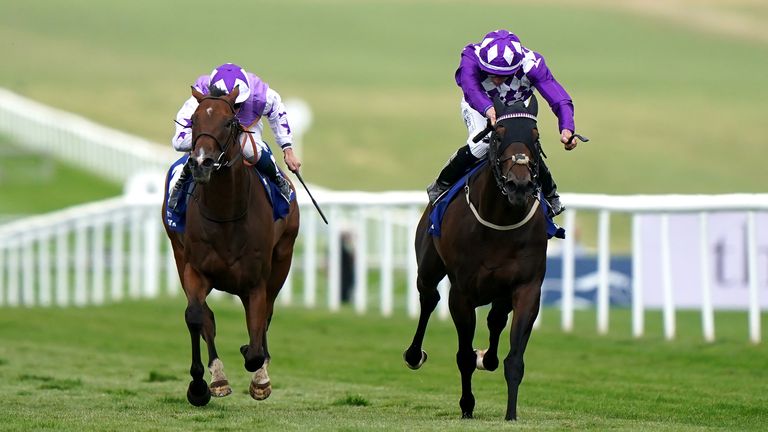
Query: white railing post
(117, 287)
(334, 258)
(754, 298)
(62, 266)
(310, 258)
(97, 258)
(666, 275)
(81, 261)
(151, 246)
(568, 271)
(387, 263)
(603, 270)
(361, 261)
(411, 264)
(707, 313)
(28, 270)
(44, 265)
(638, 308)
(13, 273)
(134, 251)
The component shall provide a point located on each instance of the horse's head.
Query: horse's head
(513, 153)
(214, 133)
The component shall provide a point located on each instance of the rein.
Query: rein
(492, 225)
(234, 129)
(501, 179)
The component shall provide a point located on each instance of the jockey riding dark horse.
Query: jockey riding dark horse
(500, 217)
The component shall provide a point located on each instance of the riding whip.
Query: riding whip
(298, 176)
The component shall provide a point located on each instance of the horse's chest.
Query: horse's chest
(232, 263)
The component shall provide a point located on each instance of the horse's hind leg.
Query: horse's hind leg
(431, 272)
(253, 353)
(497, 320)
(463, 314)
(219, 384)
(526, 309)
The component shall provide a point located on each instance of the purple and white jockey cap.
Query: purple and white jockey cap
(500, 53)
(228, 76)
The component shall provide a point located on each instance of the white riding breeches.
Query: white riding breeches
(475, 123)
(252, 143)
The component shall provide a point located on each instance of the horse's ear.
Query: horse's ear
(533, 106)
(232, 96)
(498, 105)
(196, 93)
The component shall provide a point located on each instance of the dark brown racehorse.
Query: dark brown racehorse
(493, 249)
(232, 244)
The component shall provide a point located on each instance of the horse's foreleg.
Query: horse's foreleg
(526, 309)
(198, 393)
(219, 384)
(497, 319)
(463, 314)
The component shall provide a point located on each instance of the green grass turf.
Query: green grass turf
(669, 108)
(125, 367)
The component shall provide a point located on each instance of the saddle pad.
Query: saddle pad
(439, 208)
(176, 219)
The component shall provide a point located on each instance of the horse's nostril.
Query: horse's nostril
(207, 163)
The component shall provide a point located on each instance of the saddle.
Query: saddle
(441, 205)
(175, 219)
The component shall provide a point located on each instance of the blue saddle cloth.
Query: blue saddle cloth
(176, 219)
(438, 211)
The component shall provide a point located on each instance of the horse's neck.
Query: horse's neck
(227, 191)
(492, 204)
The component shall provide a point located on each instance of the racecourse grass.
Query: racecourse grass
(670, 108)
(125, 367)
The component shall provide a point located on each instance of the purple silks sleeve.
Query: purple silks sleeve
(555, 95)
(468, 77)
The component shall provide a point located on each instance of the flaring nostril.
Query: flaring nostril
(208, 163)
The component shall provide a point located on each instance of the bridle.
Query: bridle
(235, 128)
(496, 162)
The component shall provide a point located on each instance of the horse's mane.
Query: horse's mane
(214, 91)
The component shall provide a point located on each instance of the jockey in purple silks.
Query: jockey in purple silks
(255, 100)
(500, 66)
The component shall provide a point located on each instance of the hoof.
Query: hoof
(260, 391)
(220, 388)
(198, 393)
(466, 415)
(422, 360)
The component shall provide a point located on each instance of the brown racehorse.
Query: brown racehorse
(231, 243)
(493, 250)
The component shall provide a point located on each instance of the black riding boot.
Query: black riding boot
(456, 167)
(173, 200)
(266, 165)
(549, 189)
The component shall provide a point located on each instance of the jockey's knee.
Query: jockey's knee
(479, 149)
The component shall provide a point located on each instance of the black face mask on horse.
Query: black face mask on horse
(463, 160)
